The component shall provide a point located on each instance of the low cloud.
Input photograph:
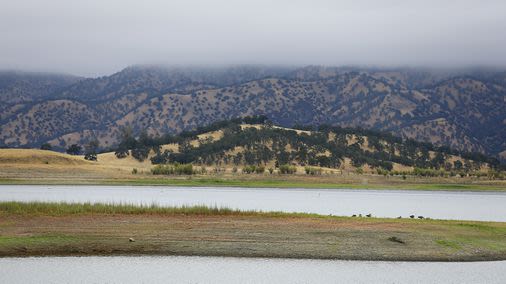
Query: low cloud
(95, 37)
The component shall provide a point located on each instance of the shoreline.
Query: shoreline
(233, 256)
(64, 229)
(266, 183)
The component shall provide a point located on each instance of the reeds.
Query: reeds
(64, 208)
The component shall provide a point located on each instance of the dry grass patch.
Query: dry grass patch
(34, 156)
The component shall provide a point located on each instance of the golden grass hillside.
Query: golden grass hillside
(35, 156)
(43, 164)
(28, 166)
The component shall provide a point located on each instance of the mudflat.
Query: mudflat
(53, 229)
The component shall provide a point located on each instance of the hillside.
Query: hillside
(253, 141)
(252, 152)
(20, 89)
(463, 110)
(33, 156)
(23, 87)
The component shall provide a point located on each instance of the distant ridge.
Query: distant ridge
(464, 110)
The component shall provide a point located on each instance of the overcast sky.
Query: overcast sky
(98, 37)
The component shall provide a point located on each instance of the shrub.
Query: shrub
(177, 169)
(74, 149)
(162, 170)
(91, 157)
(121, 153)
(313, 171)
(382, 171)
(428, 172)
(161, 158)
(183, 169)
(248, 169)
(260, 169)
(134, 171)
(493, 174)
(287, 169)
(46, 146)
(203, 170)
(253, 169)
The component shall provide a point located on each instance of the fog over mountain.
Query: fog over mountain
(93, 38)
(428, 70)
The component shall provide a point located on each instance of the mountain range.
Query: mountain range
(462, 109)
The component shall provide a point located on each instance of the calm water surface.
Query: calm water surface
(485, 206)
(180, 269)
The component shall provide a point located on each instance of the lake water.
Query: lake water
(181, 269)
(484, 206)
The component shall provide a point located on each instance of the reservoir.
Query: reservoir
(479, 206)
(184, 269)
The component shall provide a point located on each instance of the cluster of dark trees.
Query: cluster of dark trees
(327, 146)
(90, 149)
(140, 147)
(410, 147)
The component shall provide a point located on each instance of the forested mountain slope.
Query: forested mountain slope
(464, 110)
